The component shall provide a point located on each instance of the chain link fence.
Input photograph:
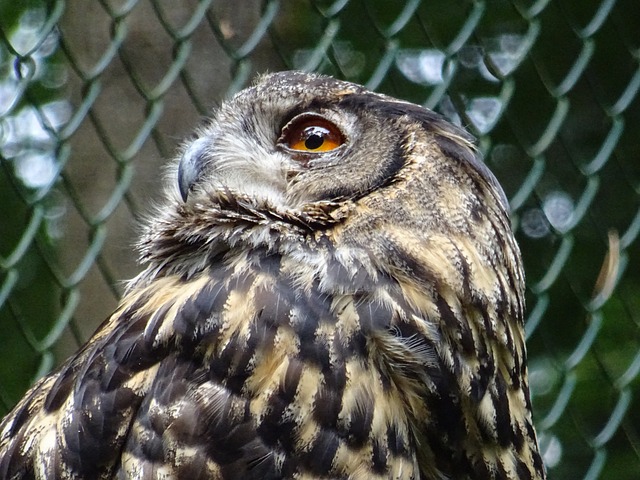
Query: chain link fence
(95, 96)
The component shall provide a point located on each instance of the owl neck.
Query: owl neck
(184, 240)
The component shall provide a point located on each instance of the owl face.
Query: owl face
(301, 159)
(295, 138)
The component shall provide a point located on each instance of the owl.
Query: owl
(330, 290)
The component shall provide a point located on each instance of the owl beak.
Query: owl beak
(191, 165)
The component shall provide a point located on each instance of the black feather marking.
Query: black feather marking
(379, 457)
(12, 463)
(449, 318)
(239, 369)
(275, 429)
(151, 449)
(274, 304)
(396, 442)
(327, 407)
(374, 316)
(502, 408)
(321, 455)
(59, 392)
(316, 352)
(522, 470)
(289, 386)
(354, 346)
(194, 469)
(154, 323)
(85, 453)
(358, 428)
(480, 382)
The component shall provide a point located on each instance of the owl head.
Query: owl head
(296, 138)
(299, 157)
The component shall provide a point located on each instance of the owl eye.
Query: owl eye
(311, 133)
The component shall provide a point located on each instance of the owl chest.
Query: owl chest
(308, 372)
(260, 374)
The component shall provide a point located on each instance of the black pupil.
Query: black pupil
(315, 137)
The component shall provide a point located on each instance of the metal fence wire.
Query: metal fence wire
(95, 96)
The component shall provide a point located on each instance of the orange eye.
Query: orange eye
(311, 134)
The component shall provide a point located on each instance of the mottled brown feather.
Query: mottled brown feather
(352, 314)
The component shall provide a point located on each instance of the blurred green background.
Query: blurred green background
(95, 97)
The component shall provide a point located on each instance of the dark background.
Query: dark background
(95, 97)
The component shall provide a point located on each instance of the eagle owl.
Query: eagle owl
(331, 290)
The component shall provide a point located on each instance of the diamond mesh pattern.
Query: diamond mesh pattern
(95, 96)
